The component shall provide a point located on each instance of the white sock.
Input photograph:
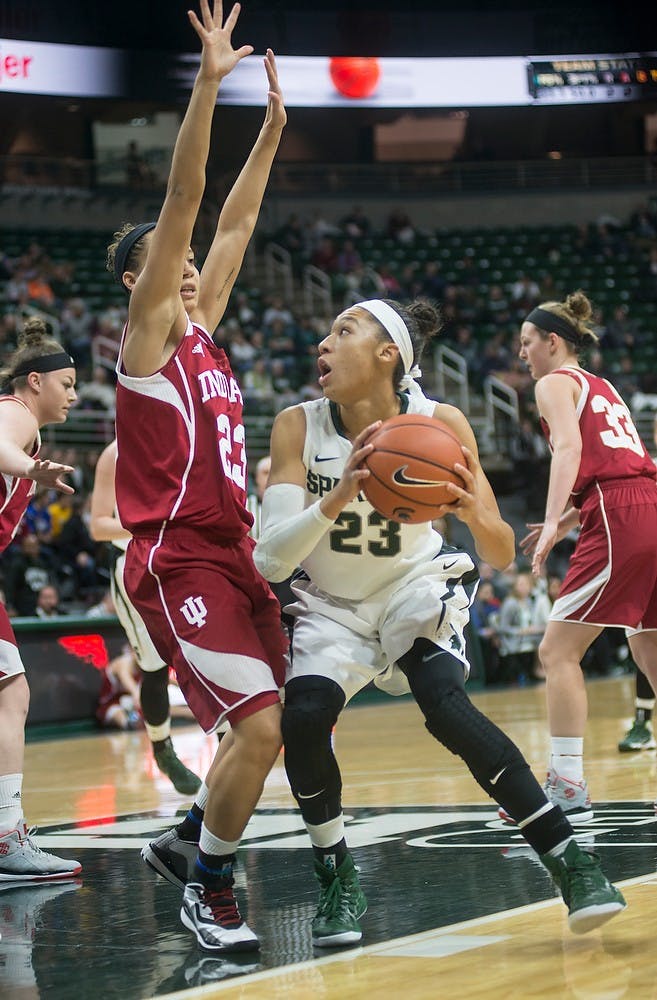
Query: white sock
(11, 806)
(326, 834)
(202, 796)
(158, 733)
(210, 844)
(567, 757)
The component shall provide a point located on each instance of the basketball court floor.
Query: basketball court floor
(458, 907)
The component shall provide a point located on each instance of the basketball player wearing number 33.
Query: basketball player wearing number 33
(602, 478)
(387, 602)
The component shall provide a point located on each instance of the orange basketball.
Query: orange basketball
(412, 462)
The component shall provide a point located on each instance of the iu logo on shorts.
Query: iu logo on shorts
(195, 611)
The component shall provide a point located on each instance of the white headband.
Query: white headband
(393, 324)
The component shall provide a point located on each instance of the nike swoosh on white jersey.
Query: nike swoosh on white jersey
(326, 458)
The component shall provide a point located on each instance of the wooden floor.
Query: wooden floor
(458, 908)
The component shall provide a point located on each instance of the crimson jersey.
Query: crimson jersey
(181, 451)
(15, 493)
(611, 446)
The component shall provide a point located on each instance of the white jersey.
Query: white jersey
(362, 553)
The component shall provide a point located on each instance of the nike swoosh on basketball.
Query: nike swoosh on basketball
(326, 458)
(402, 479)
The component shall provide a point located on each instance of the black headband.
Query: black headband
(551, 323)
(46, 363)
(126, 245)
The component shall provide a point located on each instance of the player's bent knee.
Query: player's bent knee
(312, 706)
(438, 685)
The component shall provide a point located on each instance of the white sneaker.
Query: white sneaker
(572, 796)
(214, 918)
(22, 861)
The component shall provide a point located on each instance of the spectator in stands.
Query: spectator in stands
(47, 605)
(60, 509)
(525, 292)
(325, 256)
(78, 330)
(277, 310)
(99, 393)
(104, 609)
(520, 630)
(349, 257)
(355, 223)
(30, 569)
(258, 387)
(400, 228)
(39, 292)
(37, 519)
(484, 616)
(76, 552)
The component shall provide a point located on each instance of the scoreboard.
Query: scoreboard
(591, 79)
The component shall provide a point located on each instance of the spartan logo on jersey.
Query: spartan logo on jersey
(195, 611)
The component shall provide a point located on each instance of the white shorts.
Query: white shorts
(355, 643)
(10, 659)
(141, 644)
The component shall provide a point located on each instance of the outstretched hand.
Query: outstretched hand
(49, 474)
(218, 57)
(276, 116)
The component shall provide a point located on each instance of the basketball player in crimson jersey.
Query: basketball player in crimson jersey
(181, 491)
(38, 388)
(387, 602)
(603, 479)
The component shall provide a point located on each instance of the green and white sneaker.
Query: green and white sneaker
(638, 737)
(342, 903)
(590, 897)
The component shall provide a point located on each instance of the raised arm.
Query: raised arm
(239, 214)
(156, 313)
(105, 525)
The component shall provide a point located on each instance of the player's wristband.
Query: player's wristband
(289, 532)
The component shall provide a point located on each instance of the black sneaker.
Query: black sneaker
(215, 919)
(169, 763)
(171, 857)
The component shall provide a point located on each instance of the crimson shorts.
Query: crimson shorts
(213, 618)
(10, 659)
(612, 574)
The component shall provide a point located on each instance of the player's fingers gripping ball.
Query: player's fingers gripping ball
(410, 466)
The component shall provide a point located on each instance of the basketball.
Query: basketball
(412, 462)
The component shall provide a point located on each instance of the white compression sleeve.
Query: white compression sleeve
(288, 532)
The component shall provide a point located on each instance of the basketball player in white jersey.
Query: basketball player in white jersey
(38, 388)
(154, 696)
(383, 602)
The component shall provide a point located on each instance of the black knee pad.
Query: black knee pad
(437, 681)
(311, 709)
(154, 695)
